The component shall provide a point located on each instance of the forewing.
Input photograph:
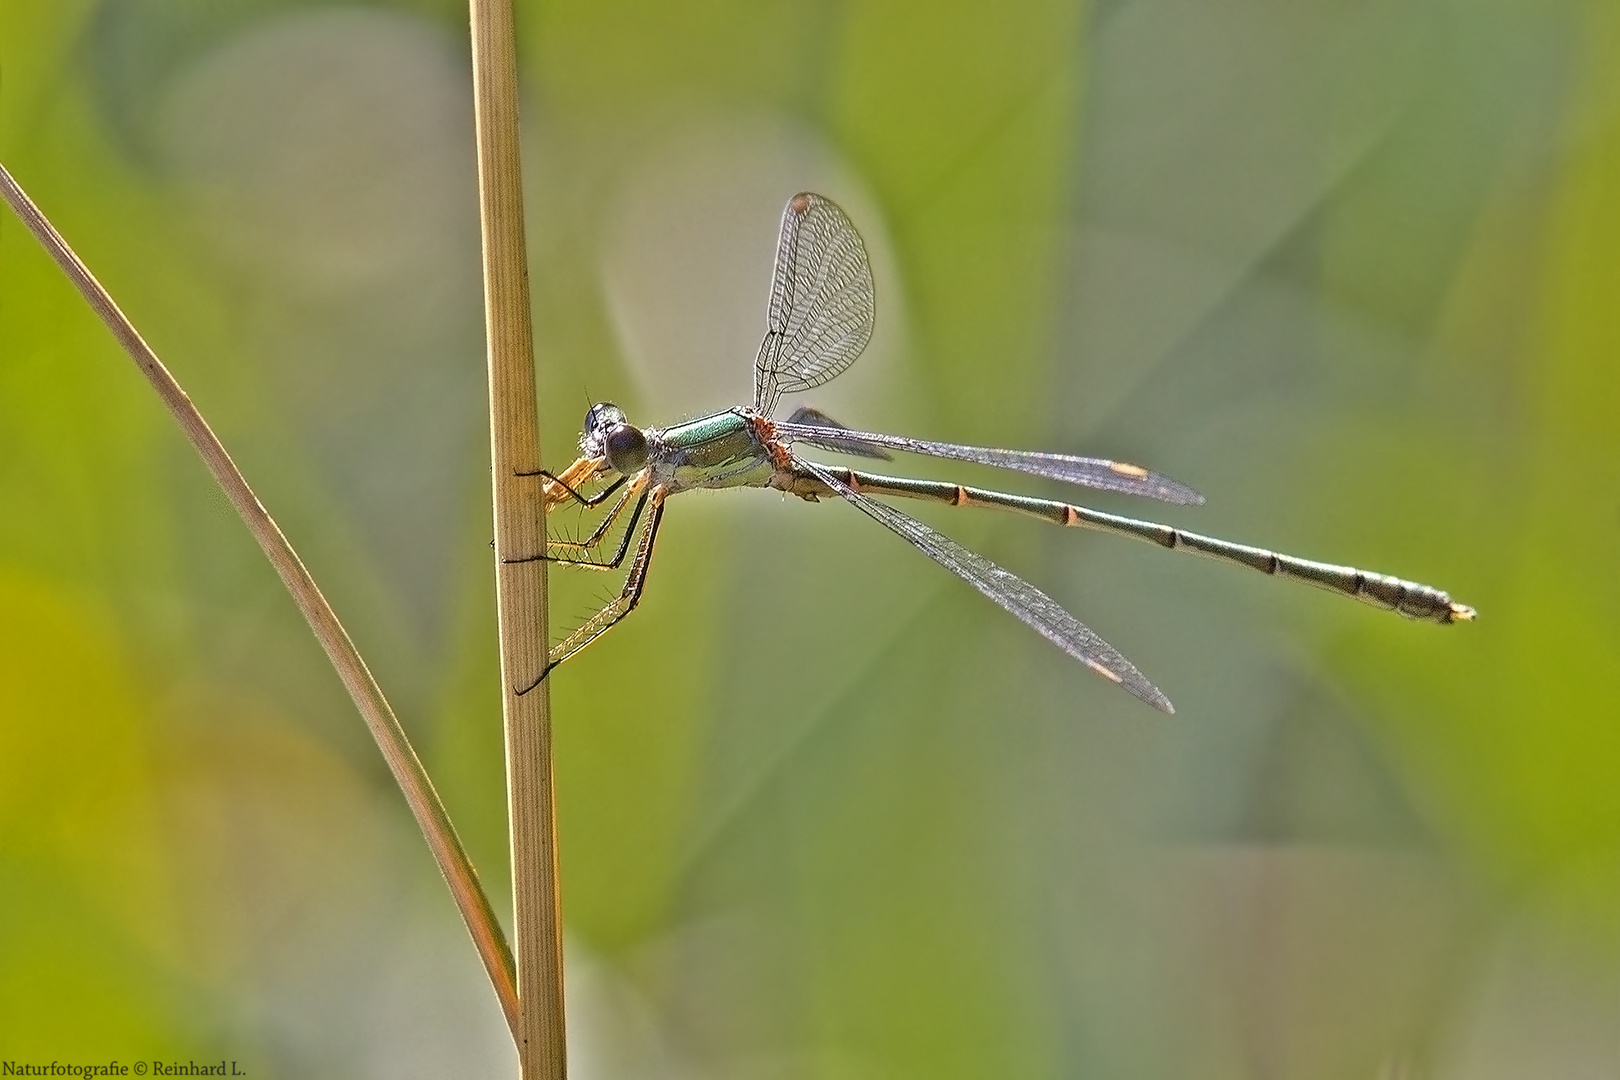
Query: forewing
(1098, 473)
(822, 305)
(1012, 593)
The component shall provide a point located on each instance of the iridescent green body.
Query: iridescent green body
(722, 450)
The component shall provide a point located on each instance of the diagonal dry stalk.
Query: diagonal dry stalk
(520, 532)
(323, 622)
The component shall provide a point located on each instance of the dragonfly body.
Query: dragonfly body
(820, 318)
(723, 450)
(1415, 601)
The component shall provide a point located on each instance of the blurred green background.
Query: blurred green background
(1351, 269)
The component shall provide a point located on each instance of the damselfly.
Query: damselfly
(820, 318)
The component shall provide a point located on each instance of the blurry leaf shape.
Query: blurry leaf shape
(754, 759)
(1203, 150)
(307, 889)
(1320, 781)
(328, 152)
(612, 1029)
(1524, 758)
(1564, 595)
(1248, 958)
(318, 144)
(1543, 1004)
(966, 124)
(276, 826)
(36, 40)
(880, 849)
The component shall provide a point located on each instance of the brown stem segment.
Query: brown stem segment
(323, 622)
(519, 532)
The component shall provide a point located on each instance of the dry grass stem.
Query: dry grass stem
(519, 532)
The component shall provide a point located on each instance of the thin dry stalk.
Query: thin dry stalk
(519, 532)
(367, 696)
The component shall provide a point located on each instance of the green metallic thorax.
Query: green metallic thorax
(718, 451)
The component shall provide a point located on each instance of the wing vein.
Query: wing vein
(822, 307)
(1098, 473)
(1012, 593)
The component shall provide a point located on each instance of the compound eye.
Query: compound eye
(601, 415)
(626, 449)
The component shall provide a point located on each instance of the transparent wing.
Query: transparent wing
(1018, 597)
(815, 418)
(1088, 472)
(822, 305)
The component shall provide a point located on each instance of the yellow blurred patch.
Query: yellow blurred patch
(75, 781)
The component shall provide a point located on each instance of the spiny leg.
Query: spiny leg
(628, 598)
(587, 563)
(578, 551)
(554, 482)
